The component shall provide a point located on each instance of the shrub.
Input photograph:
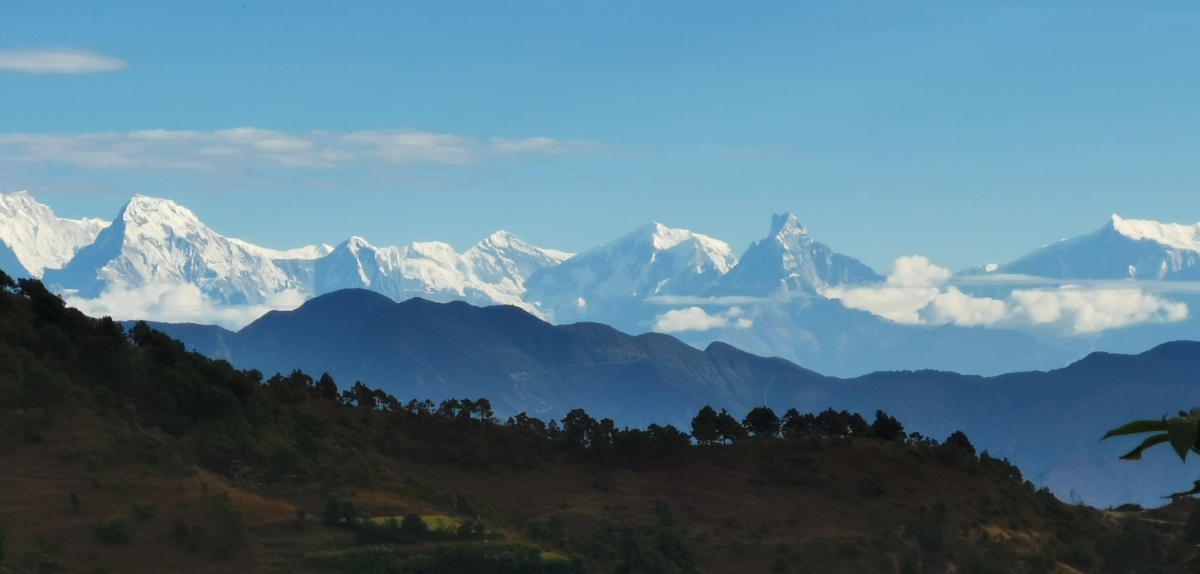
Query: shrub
(413, 527)
(927, 527)
(37, 561)
(144, 511)
(333, 511)
(186, 536)
(233, 527)
(115, 532)
(349, 513)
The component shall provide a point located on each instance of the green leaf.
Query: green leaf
(1183, 433)
(1136, 454)
(1137, 427)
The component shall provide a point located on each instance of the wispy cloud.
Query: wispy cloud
(243, 149)
(57, 62)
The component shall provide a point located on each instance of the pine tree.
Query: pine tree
(728, 428)
(704, 426)
(762, 422)
(887, 427)
(327, 388)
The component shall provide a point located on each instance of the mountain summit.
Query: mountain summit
(604, 282)
(33, 239)
(157, 241)
(1121, 249)
(789, 260)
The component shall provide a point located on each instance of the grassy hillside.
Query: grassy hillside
(121, 452)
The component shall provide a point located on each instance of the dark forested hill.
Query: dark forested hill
(122, 452)
(443, 350)
(1048, 422)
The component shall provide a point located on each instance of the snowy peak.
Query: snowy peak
(1173, 235)
(157, 242)
(34, 239)
(143, 210)
(651, 260)
(503, 240)
(1121, 249)
(355, 244)
(786, 227)
(692, 249)
(789, 260)
(503, 257)
(658, 235)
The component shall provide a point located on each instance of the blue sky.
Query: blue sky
(963, 132)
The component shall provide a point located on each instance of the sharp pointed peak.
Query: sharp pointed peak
(786, 223)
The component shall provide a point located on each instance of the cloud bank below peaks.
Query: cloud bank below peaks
(916, 293)
(179, 303)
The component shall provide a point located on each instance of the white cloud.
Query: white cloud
(1090, 311)
(915, 294)
(697, 319)
(910, 287)
(900, 304)
(246, 148)
(543, 146)
(183, 303)
(407, 147)
(57, 62)
(954, 306)
(915, 270)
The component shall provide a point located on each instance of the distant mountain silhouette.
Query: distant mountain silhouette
(1047, 422)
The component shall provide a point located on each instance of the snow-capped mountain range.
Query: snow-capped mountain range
(156, 242)
(787, 295)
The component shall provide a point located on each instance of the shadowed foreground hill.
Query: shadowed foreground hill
(121, 452)
(1047, 422)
